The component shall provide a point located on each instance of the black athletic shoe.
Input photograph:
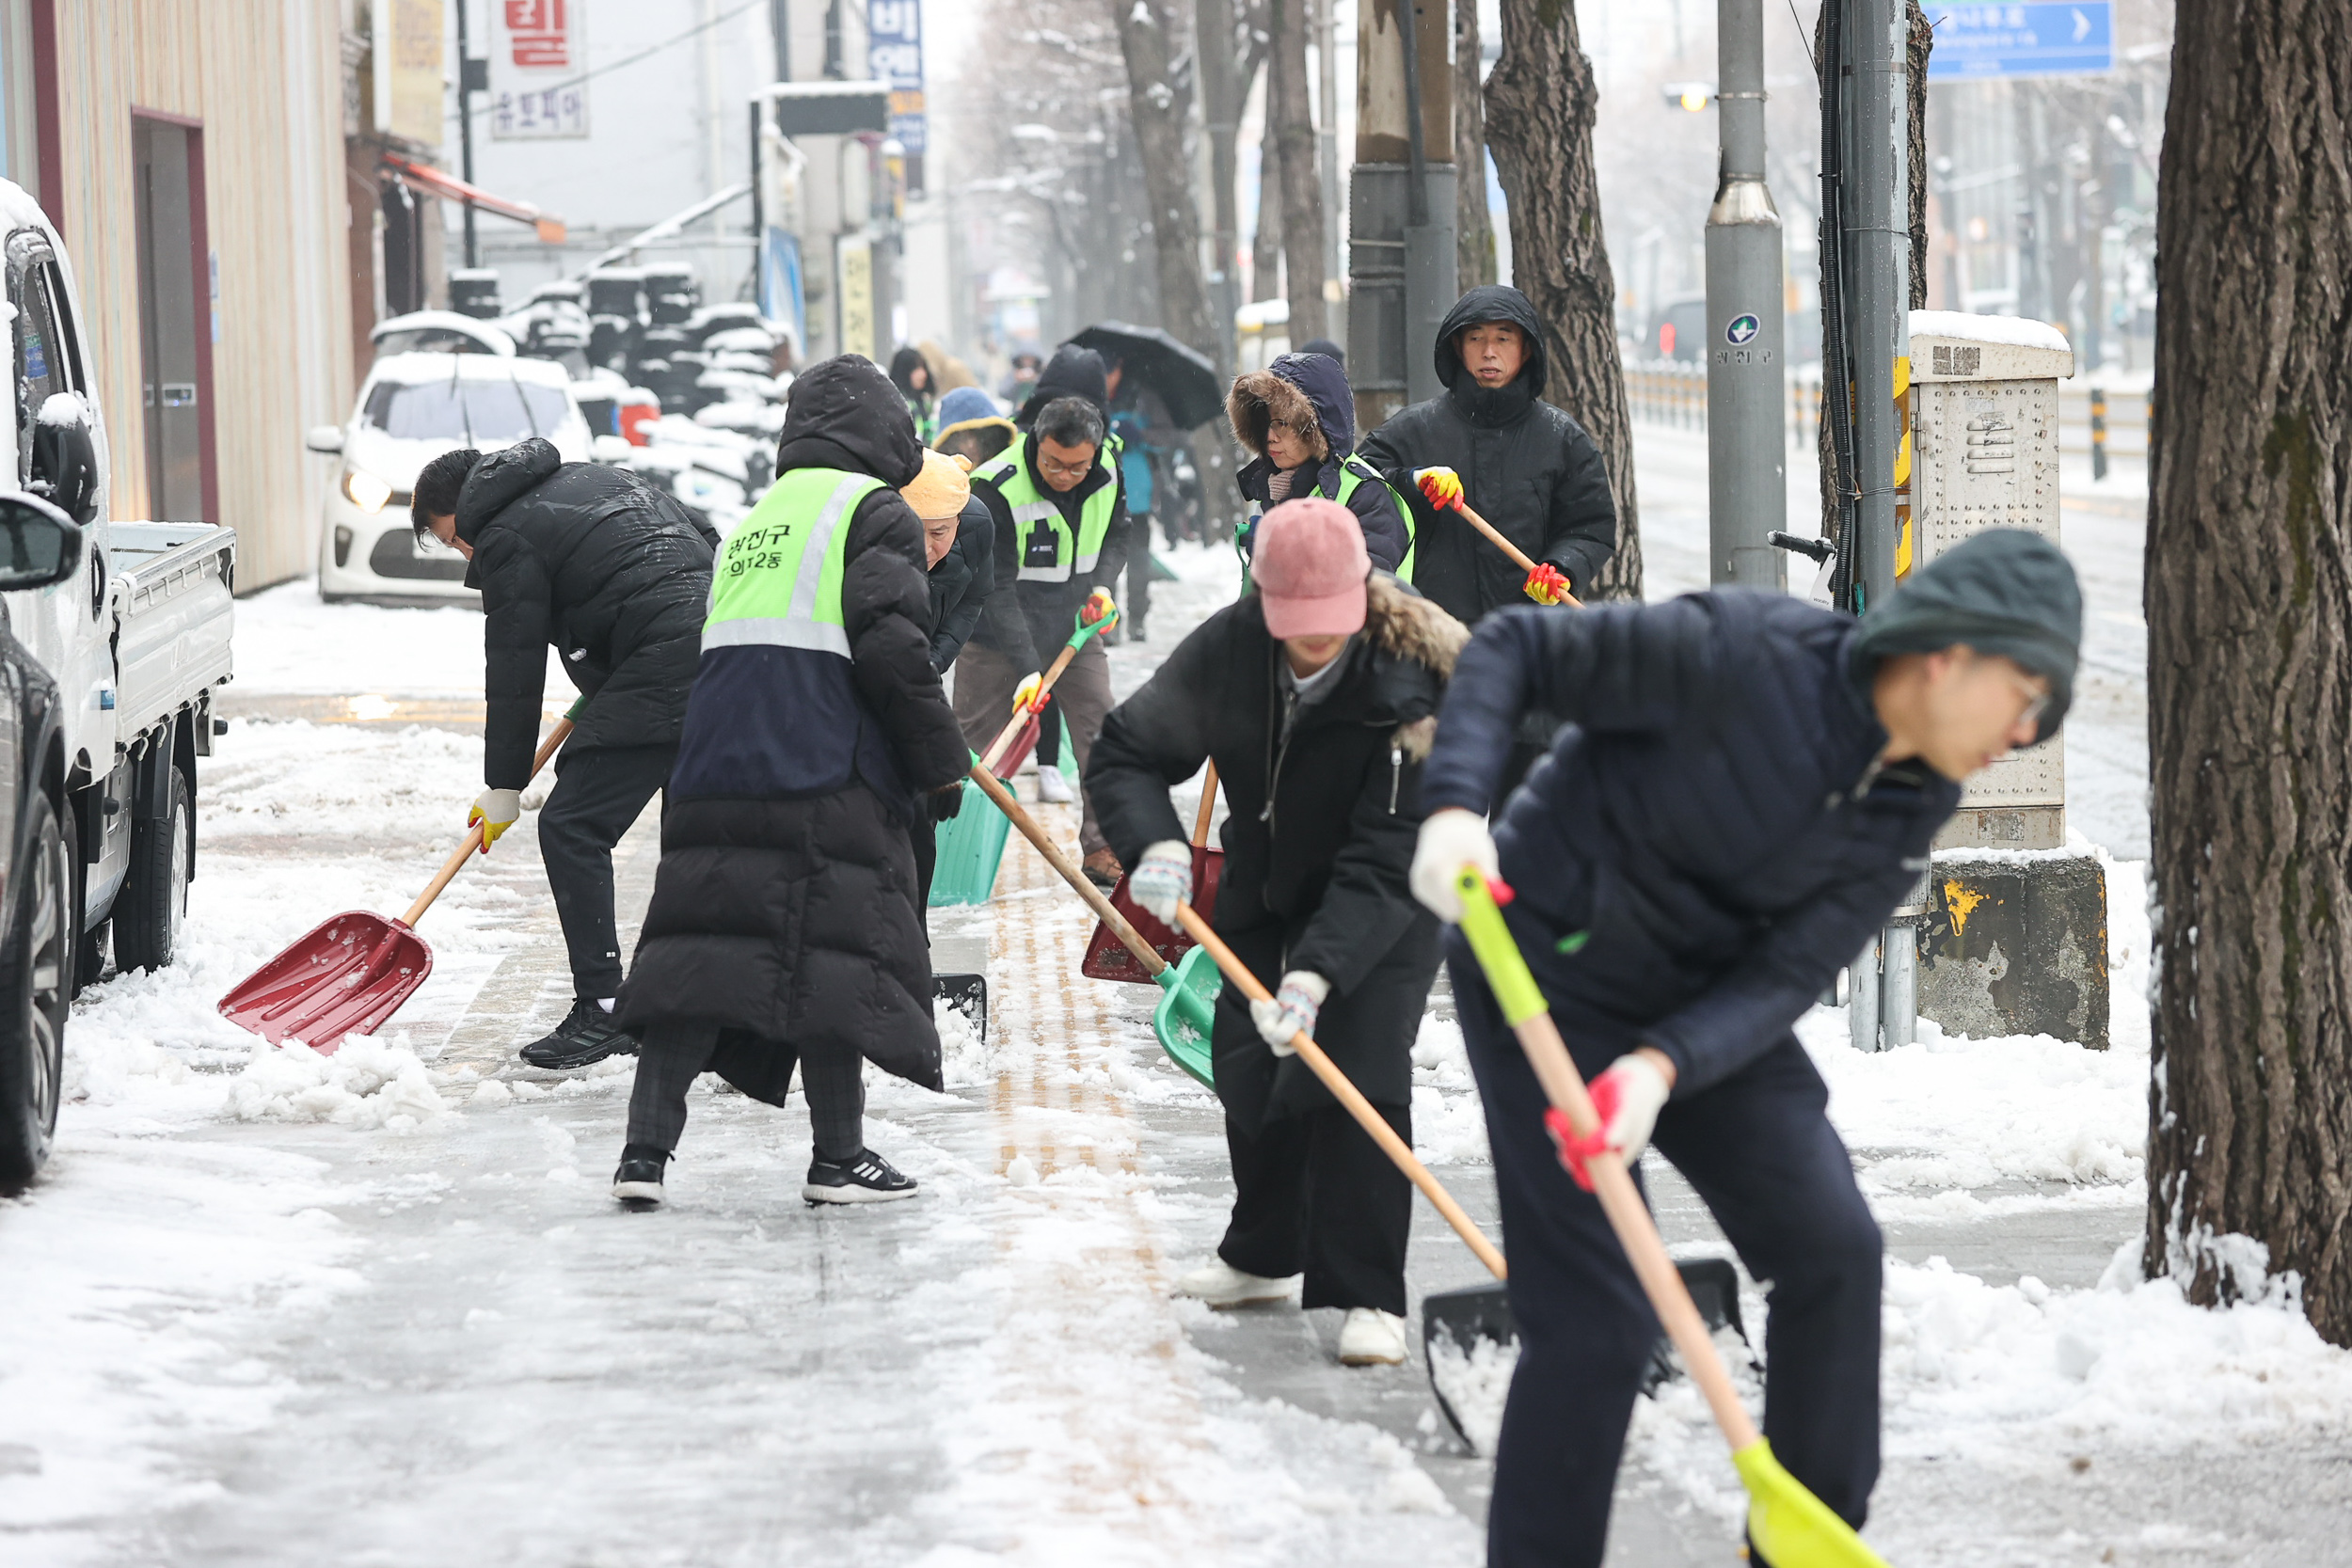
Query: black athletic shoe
(867, 1179)
(638, 1182)
(587, 1035)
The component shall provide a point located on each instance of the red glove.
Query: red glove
(1574, 1150)
(1545, 585)
(1100, 607)
(1439, 487)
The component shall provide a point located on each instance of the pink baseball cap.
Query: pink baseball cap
(1310, 566)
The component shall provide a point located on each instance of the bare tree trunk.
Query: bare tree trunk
(1473, 227)
(2249, 659)
(1149, 34)
(1540, 103)
(1265, 246)
(1291, 127)
(1919, 44)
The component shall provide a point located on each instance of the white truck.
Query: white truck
(134, 641)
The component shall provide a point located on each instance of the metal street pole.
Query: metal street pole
(1878, 238)
(1748, 448)
(465, 121)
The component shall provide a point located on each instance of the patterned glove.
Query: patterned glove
(1545, 585)
(1100, 607)
(496, 810)
(1440, 488)
(1290, 1010)
(1162, 879)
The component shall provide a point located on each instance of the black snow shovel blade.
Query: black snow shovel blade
(1481, 1314)
(967, 994)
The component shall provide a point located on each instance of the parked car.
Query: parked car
(439, 332)
(412, 408)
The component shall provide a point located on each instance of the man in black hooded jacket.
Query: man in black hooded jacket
(1522, 464)
(612, 573)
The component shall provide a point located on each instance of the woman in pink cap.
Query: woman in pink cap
(1316, 696)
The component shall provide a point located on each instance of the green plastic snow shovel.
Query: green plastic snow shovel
(1182, 1018)
(1789, 1526)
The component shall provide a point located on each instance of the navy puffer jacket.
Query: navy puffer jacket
(1711, 837)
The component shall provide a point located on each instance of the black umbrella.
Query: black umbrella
(1185, 379)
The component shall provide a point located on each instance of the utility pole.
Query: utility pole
(1878, 259)
(1747, 451)
(469, 69)
(1400, 256)
(1328, 150)
(1220, 107)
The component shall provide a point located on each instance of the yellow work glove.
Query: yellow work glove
(1029, 694)
(496, 810)
(1440, 488)
(1099, 608)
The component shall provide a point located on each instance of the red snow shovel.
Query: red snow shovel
(1015, 742)
(353, 972)
(1107, 957)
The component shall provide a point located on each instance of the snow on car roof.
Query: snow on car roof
(467, 367)
(493, 339)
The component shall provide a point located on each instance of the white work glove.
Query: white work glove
(1450, 837)
(1627, 1097)
(496, 810)
(1290, 1010)
(1162, 879)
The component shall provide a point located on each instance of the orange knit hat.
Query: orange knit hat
(940, 490)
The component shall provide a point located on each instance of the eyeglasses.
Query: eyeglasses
(1053, 469)
(2037, 702)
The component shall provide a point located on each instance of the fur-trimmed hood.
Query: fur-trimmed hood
(1309, 392)
(1402, 624)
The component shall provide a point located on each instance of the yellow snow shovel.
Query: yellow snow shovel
(1789, 1526)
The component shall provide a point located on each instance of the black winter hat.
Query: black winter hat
(1073, 372)
(2002, 592)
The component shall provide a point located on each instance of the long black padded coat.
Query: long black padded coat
(784, 909)
(1318, 836)
(599, 564)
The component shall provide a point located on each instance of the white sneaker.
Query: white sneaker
(1221, 1285)
(1052, 788)
(1370, 1338)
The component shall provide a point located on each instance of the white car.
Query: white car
(412, 408)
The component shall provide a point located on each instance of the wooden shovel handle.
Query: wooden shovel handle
(1348, 1095)
(556, 738)
(1505, 545)
(1021, 715)
(1208, 807)
(1120, 926)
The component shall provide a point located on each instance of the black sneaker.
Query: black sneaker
(587, 1034)
(867, 1179)
(638, 1182)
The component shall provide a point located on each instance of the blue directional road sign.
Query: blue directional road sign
(2039, 38)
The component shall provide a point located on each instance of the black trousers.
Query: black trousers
(924, 840)
(598, 795)
(1138, 575)
(1314, 1195)
(1759, 1149)
(672, 1057)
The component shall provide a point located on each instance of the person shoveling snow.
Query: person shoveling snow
(1745, 788)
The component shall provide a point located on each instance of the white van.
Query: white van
(412, 408)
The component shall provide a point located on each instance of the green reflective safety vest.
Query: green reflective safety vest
(1049, 551)
(1353, 470)
(777, 583)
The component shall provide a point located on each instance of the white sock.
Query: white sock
(606, 1002)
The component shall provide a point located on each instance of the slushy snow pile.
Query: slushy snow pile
(1476, 1383)
(366, 1084)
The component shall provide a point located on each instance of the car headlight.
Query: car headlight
(367, 492)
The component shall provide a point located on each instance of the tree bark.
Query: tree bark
(1918, 45)
(1540, 104)
(2249, 603)
(1290, 122)
(1473, 227)
(1148, 34)
(1265, 245)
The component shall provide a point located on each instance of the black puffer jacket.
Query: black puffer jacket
(610, 571)
(1526, 467)
(784, 908)
(1317, 881)
(961, 582)
(1310, 393)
